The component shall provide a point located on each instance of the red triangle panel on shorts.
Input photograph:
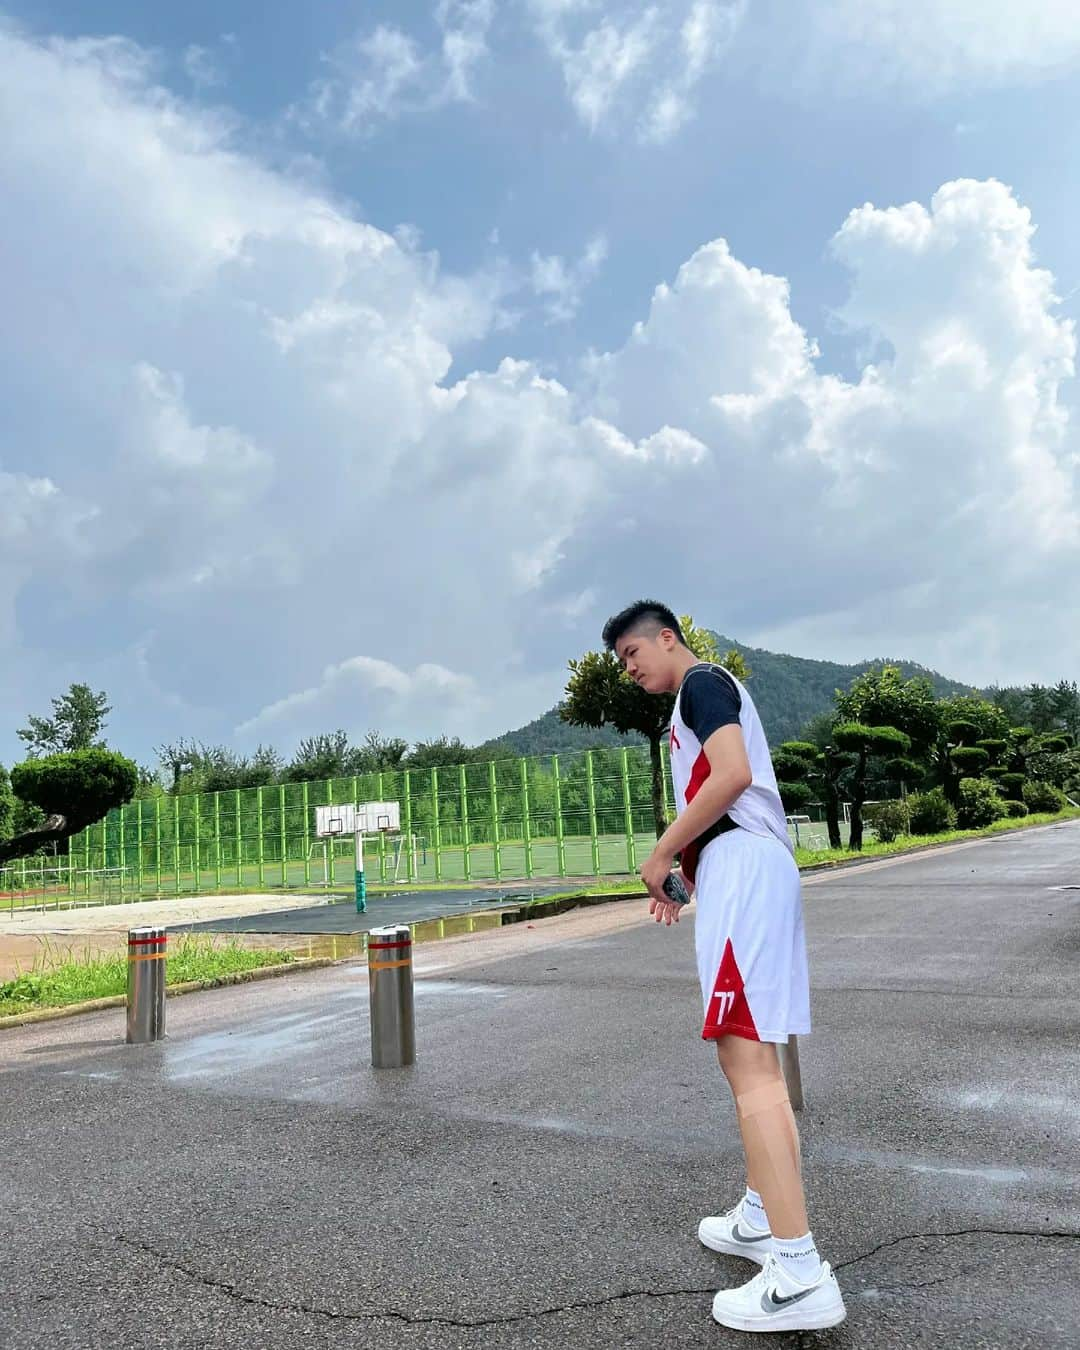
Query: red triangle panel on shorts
(729, 1012)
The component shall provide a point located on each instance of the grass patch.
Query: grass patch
(810, 857)
(52, 983)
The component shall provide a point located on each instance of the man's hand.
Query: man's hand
(664, 910)
(654, 872)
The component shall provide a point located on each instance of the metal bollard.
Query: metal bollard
(146, 985)
(789, 1064)
(390, 983)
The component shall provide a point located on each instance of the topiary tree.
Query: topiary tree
(960, 758)
(995, 747)
(802, 772)
(968, 760)
(1010, 784)
(865, 742)
(795, 796)
(907, 772)
(968, 724)
(72, 791)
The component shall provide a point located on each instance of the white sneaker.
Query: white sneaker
(725, 1233)
(773, 1301)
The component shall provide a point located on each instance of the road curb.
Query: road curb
(172, 990)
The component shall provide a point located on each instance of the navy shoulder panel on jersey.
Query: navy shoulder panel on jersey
(709, 700)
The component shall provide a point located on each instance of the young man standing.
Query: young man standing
(751, 952)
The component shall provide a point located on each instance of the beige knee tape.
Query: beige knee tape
(771, 1137)
(761, 1098)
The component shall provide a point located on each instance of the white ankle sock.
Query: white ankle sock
(798, 1257)
(753, 1211)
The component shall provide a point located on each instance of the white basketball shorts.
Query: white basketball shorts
(750, 941)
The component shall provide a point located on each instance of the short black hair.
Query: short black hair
(643, 616)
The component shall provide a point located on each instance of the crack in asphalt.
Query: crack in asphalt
(260, 1301)
(952, 1233)
(374, 1315)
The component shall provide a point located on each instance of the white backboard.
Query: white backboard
(347, 818)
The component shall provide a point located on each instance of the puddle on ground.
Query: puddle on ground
(1009, 1101)
(220, 1052)
(1006, 1176)
(342, 946)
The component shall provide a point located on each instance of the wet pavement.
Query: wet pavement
(536, 1179)
(404, 906)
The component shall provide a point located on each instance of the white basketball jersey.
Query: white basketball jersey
(711, 697)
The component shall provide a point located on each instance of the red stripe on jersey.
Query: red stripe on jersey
(701, 770)
(698, 774)
(729, 1013)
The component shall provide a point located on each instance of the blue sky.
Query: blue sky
(511, 183)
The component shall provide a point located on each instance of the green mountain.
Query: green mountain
(788, 692)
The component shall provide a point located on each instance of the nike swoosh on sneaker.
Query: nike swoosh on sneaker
(740, 1236)
(772, 1301)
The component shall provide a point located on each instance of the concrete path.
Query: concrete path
(536, 1179)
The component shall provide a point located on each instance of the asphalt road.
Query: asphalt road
(536, 1179)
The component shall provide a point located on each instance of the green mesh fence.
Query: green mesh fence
(584, 814)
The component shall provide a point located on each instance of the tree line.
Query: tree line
(963, 759)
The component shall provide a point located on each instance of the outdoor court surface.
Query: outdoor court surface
(536, 1179)
(404, 906)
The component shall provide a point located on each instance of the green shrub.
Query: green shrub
(930, 813)
(1015, 808)
(1039, 796)
(979, 804)
(1012, 784)
(889, 820)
